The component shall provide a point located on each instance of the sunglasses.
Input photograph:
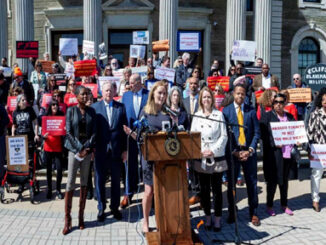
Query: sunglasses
(296, 78)
(232, 69)
(279, 102)
(55, 105)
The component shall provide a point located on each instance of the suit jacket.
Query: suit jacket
(73, 117)
(110, 136)
(252, 130)
(186, 104)
(257, 82)
(127, 100)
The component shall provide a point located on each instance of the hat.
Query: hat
(18, 72)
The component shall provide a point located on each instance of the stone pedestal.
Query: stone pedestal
(263, 20)
(168, 25)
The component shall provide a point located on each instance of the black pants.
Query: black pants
(49, 158)
(208, 182)
(271, 186)
(194, 179)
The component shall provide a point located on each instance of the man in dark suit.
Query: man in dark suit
(134, 101)
(244, 150)
(265, 80)
(110, 149)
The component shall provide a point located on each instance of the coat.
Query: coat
(257, 82)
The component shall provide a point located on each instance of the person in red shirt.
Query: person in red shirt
(265, 102)
(53, 153)
(289, 107)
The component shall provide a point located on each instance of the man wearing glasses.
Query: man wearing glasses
(297, 83)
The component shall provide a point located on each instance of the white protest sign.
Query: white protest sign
(164, 73)
(318, 153)
(244, 50)
(68, 46)
(118, 73)
(102, 51)
(141, 70)
(189, 41)
(289, 133)
(140, 37)
(17, 154)
(88, 47)
(103, 79)
(6, 71)
(137, 51)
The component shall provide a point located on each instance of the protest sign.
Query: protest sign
(289, 133)
(244, 50)
(118, 73)
(300, 95)
(252, 71)
(85, 68)
(11, 103)
(218, 100)
(93, 87)
(188, 41)
(141, 70)
(103, 79)
(316, 76)
(60, 78)
(137, 51)
(46, 100)
(162, 45)
(68, 46)
(54, 125)
(27, 49)
(47, 65)
(223, 81)
(6, 71)
(88, 47)
(140, 37)
(17, 153)
(164, 73)
(149, 85)
(70, 99)
(318, 154)
(102, 51)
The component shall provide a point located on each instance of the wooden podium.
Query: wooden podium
(171, 186)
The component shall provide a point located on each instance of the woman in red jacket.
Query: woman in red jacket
(289, 107)
(53, 153)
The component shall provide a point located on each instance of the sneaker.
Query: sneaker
(270, 212)
(287, 211)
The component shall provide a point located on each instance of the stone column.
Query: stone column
(235, 26)
(263, 22)
(3, 29)
(93, 22)
(168, 25)
(24, 18)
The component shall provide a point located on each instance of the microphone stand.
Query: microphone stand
(230, 133)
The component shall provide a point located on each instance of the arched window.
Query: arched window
(309, 54)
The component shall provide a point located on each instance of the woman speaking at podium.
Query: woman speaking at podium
(213, 162)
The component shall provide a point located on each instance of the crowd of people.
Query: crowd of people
(100, 135)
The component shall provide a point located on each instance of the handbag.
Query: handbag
(211, 165)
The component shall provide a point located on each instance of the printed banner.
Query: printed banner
(17, 152)
(289, 133)
(218, 100)
(85, 68)
(223, 81)
(93, 87)
(137, 51)
(300, 95)
(188, 41)
(244, 50)
(164, 73)
(47, 65)
(60, 78)
(140, 37)
(141, 70)
(46, 100)
(101, 80)
(118, 74)
(88, 47)
(54, 125)
(11, 103)
(318, 153)
(27, 49)
(102, 51)
(68, 46)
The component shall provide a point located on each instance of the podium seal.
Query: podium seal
(172, 146)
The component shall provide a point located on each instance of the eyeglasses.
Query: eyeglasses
(114, 63)
(279, 102)
(55, 105)
(296, 78)
(233, 69)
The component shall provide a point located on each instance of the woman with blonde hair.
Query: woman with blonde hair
(265, 102)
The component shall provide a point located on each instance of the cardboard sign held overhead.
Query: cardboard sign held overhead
(85, 68)
(162, 45)
(140, 37)
(88, 47)
(68, 46)
(26, 49)
(137, 51)
(244, 50)
(220, 80)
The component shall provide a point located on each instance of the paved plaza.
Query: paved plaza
(24, 223)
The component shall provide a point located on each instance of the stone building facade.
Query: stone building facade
(290, 34)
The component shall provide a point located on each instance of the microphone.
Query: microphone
(171, 112)
(142, 122)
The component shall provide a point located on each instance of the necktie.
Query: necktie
(192, 106)
(242, 137)
(108, 112)
(136, 104)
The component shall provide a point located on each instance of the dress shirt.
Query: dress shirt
(108, 107)
(136, 98)
(266, 81)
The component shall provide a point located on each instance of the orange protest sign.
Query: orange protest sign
(47, 65)
(85, 68)
(161, 45)
(220, 80)
(300, 95)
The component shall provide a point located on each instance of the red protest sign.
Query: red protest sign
(47, 65)
(93, 87)
(46, 100)
(11, 103)
(26, 49)
(220, 80)
(85, 68)
(54, 125)
(218, 100)
(70, 99)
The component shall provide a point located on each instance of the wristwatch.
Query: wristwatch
(251, 151)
